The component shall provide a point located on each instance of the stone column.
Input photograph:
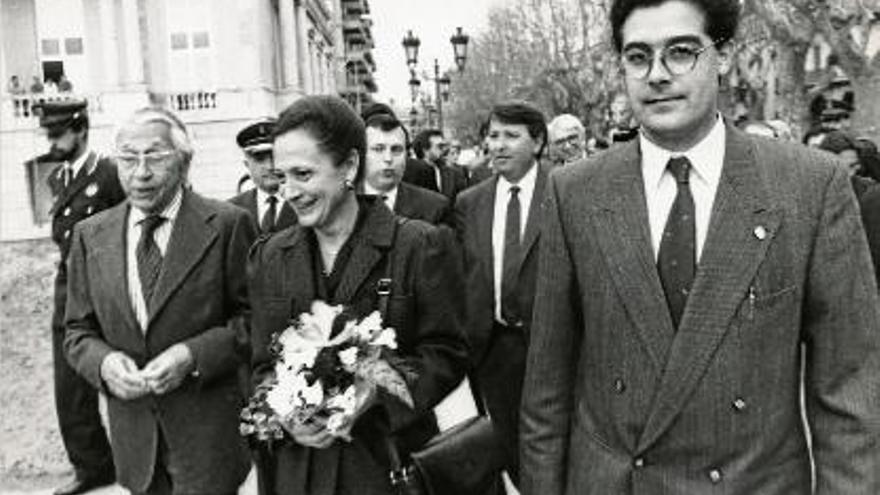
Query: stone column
(289, 43)
(305, 61)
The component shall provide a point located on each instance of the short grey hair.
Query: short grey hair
(565, 121)
(177, 131)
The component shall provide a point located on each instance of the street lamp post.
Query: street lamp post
(411, 46)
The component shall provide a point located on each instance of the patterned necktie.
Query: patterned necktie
(268, 223)
(510, 258)
(676, 261)
(149, 257)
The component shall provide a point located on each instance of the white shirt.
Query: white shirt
(263, 204)
(390, 196)
(161, 236)
(499, 223)
(707, 159)
(76, 166)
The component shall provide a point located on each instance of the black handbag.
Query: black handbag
(466, 459)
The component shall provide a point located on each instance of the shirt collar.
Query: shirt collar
(169, 213)
(706, 161)
(262, 196)
(77, 164)
(526, 183)
(390, 195)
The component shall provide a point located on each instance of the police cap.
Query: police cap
(58, 116)
(256, 138)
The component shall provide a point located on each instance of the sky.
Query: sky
(433, 22)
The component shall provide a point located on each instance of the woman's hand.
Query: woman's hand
(312, 434)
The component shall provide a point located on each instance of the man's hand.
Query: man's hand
(167, 370)
(122, 376)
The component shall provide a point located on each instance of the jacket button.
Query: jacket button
(619, 386)
(66, 234)
(67, 211)
(715, 476)
(739, 405)
(639, 463)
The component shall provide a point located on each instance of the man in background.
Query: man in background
(263, 202)
(430, 146)
(82, 185)
(568, 140)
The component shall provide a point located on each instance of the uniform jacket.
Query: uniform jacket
(618, 402)
(422, 204)
(95, 188)
(199, 300)
(499, 354)
(426, 309)
(248, 200)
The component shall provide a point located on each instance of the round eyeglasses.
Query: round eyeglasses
(677, 58)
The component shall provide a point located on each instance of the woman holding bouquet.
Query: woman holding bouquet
(350, 250)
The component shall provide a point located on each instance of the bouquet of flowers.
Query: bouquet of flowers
(316, 376)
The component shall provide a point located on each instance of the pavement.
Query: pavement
(248, 488)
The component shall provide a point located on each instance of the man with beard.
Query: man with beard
(264, 202)
(82, 184)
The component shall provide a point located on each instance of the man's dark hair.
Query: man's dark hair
(422, 141)
(331, 121)
(520, 112)
(385, 123)
(721, 17)
(837, 142)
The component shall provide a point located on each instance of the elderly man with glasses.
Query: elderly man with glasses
(568, 139)
(156, 299)
(707, 318)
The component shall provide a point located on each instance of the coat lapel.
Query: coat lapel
(533, 227)
(110, 253)
(403, 205)
(485, 216)
(623, 234)
(730, 259)
(191, 237)
(297, 260)
(375, 236)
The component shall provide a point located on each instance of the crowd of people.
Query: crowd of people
(692, 310)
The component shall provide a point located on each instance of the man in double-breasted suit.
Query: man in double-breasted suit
(497, 222)
(263, 202)
(82, 184)
(682, 274)
(156, 291)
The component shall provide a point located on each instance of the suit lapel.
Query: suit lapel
(297, 259)
(730, 259)
(252, 205)
(111, 248)
(534, 216)
(374, 237)
(623, 234)
(403, 205)
(485, 216)
(191, 236)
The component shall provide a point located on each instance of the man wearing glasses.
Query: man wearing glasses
(693, 283)
(156, 301)
(568, 139)
(82, 184)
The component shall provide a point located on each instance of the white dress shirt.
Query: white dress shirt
(707, 159)
(263, 204)
(390, 196)
(161, 236)
(75, 166)
(499, 223)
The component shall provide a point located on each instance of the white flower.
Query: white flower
(387, 338)
(345, 402)
(370, 325)
(311, 395)
(349, 357)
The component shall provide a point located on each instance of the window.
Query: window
(73, 46)
(200, 39)
(50, 47)
(179, 41)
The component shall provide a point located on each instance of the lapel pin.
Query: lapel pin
(92, 189)
(760, 232)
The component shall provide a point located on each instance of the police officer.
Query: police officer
(82, 184)
(264, 202)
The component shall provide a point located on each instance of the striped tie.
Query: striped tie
(149, 258)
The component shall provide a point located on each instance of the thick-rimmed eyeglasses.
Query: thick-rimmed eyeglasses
(129, 160)
(677, 58)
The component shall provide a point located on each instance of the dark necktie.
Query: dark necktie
(676, 261)
(149, 257)
(268, 223)
(510, 258)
